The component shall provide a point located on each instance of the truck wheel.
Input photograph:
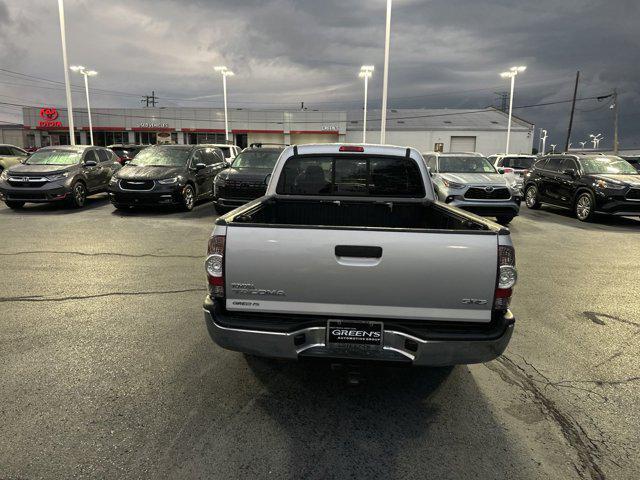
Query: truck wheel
(14, 205)
(78, 195)
(188, 198)
(531, 197)
(584, 207)
(504, 219)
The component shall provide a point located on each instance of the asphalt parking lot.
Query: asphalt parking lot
(107, 370)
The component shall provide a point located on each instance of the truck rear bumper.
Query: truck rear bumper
(398, 346)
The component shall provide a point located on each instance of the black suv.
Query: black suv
(247, 178)
(167, 175)
(586, 184)
(62, 173)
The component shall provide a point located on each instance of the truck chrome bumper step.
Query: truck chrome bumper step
(397, 347)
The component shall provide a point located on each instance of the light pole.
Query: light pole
(86, 74)
(512, 73)
(225, 72)
(67, 85)
(366, 71)
(544, 141)
(553, 148)
(385, 79)
(595, 139)
(582, 144)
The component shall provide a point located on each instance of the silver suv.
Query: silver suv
(469, 181)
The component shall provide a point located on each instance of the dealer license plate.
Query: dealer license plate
(348, 332)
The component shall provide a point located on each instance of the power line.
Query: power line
(98, 91)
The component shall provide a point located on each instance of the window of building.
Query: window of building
(146, 138)
(103, 139)
(205, 137)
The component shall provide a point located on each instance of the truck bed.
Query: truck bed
(358, 214)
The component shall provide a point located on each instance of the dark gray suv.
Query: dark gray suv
(63, 173)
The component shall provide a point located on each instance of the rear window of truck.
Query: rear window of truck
(351, 176)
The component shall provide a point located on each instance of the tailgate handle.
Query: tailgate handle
(358, 251)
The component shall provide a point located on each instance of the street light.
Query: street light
(582, 144)
(385, 79)
(366, 71)
(512, 73)
(544, 141)
(225, 72)
(595, 139)
(553, 148)
(67, 85)
(86, 74)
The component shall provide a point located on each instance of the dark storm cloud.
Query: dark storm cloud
(445, 53)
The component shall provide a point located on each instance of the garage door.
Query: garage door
(302, 138)
(463, 144)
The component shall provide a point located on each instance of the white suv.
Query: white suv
(514, 165)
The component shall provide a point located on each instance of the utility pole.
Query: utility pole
(573, 109)
(150, 99)
(616, 145)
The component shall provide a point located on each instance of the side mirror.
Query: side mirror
(570, 172)
(199, 166)
(90, 163)
(266, 179)
(226, 164)
(501, 171)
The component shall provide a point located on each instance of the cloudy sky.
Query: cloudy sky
(444, 53)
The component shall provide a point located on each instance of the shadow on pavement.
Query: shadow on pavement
(548, 213)
(58, 208)
(203, 208)
(303, 420)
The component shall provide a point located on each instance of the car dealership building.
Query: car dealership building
(482, 130)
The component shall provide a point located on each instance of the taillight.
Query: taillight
(507, 277)
(351, 148)
(214, 265)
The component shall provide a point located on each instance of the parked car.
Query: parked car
(176, 175)
(516, 165)
(230, 151)
(126, 152)
(11, 155)
(246, 179)
(61, 173)
(633, 160)
(348, 256)
(586, 184)
(469, 181)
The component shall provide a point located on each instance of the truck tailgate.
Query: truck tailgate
(418, 275)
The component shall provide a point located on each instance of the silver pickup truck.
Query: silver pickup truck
(349, 256)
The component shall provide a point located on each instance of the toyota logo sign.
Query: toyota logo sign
(49, 116)
(48, 113)
(488, 189)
